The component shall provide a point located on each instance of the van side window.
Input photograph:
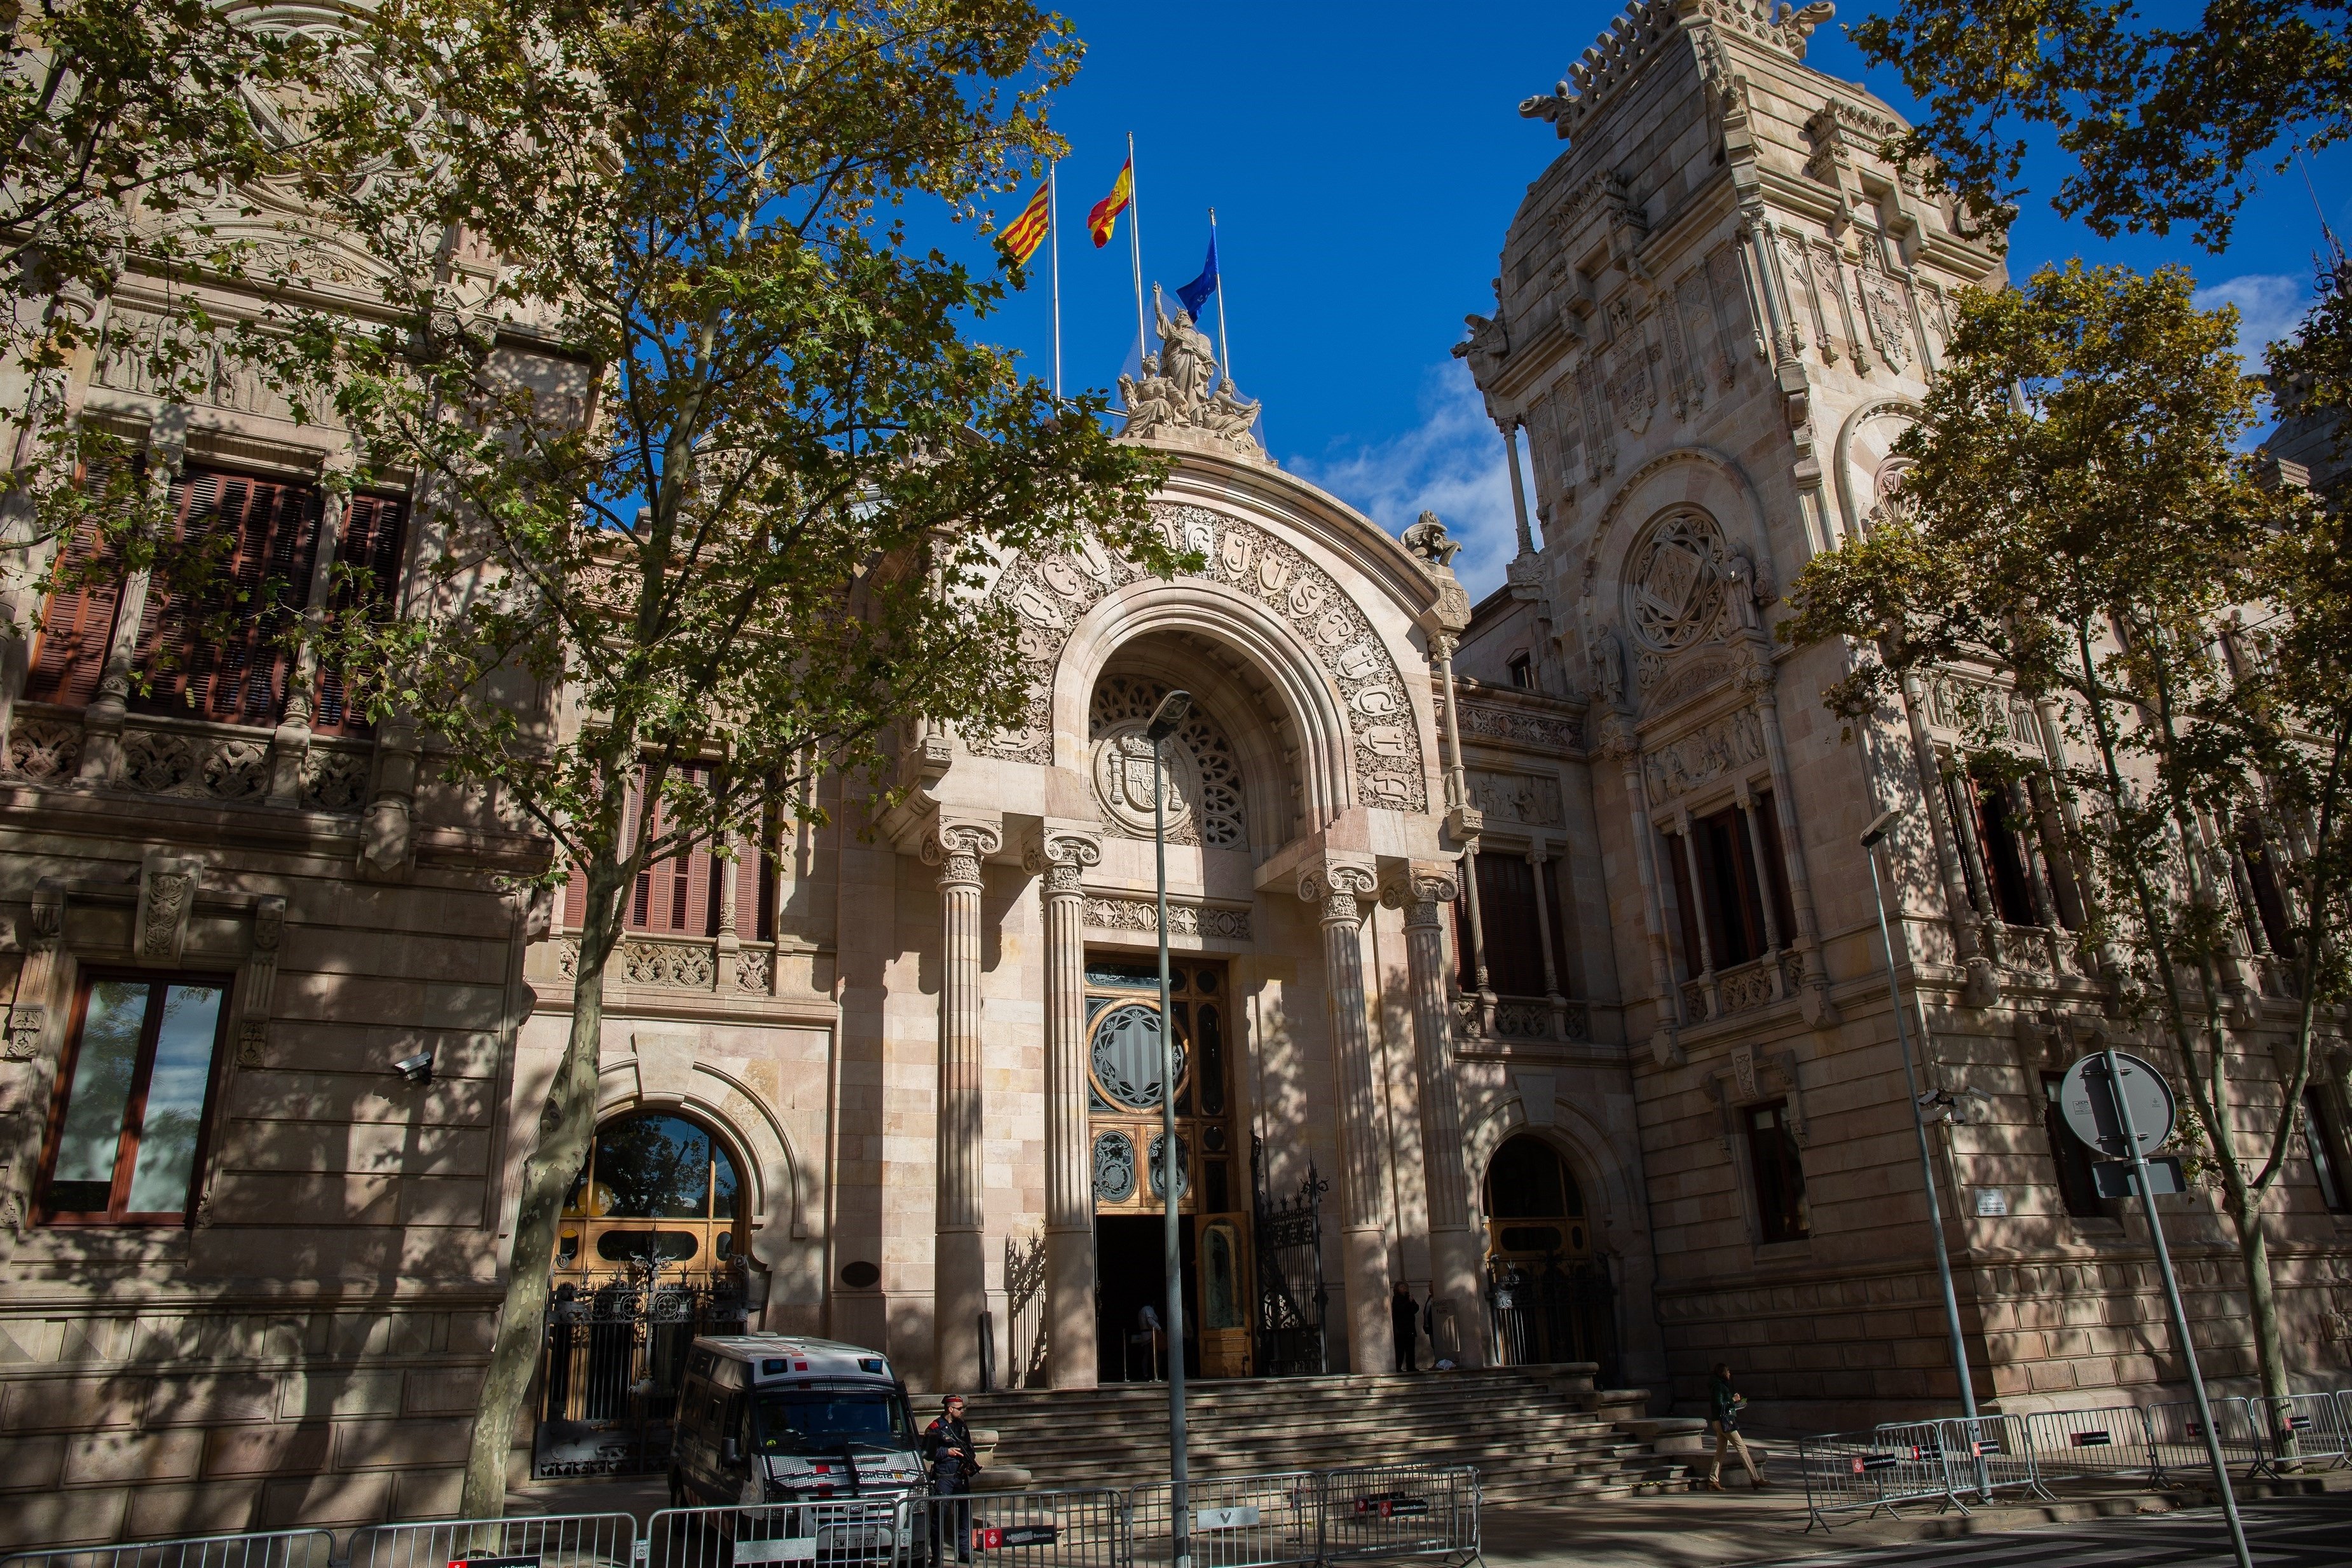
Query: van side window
(689, 1394)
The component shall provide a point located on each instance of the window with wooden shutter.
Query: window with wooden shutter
(76, 622)
(367, 558)
(679, 896)
(220, 652)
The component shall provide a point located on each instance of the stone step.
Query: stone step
(1521, 1431)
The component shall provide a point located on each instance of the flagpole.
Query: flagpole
(1054, 237)
(1224, 352)
(1135, 245)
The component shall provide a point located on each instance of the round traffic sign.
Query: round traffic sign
(2084, 1100)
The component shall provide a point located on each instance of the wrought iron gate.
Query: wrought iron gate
(615, 1354)
(1544, 1313)
(1290, 1291)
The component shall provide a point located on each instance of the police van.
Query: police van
(776, 1418)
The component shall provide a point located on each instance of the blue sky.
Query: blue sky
(1364, 160)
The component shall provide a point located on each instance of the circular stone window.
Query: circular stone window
(1126, 1057)
(1674, 580)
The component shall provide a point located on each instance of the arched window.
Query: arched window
(1534, 1208)
(656, 1186)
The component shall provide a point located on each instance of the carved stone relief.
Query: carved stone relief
(1113, 912)
(1703, 756)
(1674, 580)
(1528, 800)
(1051, 594)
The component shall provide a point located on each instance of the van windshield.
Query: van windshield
(828, 1420)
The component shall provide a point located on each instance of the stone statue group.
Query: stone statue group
(1175, 391)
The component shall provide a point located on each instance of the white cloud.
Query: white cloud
(1449, 463)
(2268, 307)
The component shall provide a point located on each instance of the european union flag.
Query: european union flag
(1196, 293)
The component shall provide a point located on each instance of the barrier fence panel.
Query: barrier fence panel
(2301, 1432)
(1021, 1530)
(1401, 1511)
(1989, 1453)
(2110, 1443)
(853, 1532)
(1238, 1521)
(273, 1549)
(2176, 1439)
(1873, 1471)
(552, 1541)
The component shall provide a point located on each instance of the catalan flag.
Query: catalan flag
(1022, 237)
(1104, 220)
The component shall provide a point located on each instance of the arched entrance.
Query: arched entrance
(1550, 1298)
(648, 1254)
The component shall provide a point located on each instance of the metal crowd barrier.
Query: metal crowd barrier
(2176, 1439)
(1874, 1471)
(850, 1533)
(1077, 1529)
(275, 1548)
(1238, 1521)
(2070, 1444)
(2301, 1430)
(551, 1541)
(1401, 1511)
(1989, 1453)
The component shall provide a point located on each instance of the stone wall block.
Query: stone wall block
(100, 1457)
(444, 1392)
(332, 1393)
(91, 1514)
(53, 1404)
(428, 1494)
(269, 1450)
(216, 1507)
(210, 1399)
(381, 1444)
(31, 1462)
(358, 1498)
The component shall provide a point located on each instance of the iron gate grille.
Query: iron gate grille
(609, 1372)
(1542, 1312)
(1290, 1291)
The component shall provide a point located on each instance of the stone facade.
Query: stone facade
(1717, 311)
(1565, 886)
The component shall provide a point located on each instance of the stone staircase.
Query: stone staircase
(1533, 1439)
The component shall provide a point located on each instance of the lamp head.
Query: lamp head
(1880, 826)
(1167, 715)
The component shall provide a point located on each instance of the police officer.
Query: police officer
(946, 1446)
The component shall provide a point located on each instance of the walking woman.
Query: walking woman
(1725, 1402)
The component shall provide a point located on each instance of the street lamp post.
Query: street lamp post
(1873, 837)
(1164, 720)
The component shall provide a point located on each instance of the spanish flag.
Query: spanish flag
(1103, 219)
(1022, 237)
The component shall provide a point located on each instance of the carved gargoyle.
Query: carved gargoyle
(1428, 540)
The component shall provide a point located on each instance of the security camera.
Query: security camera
(417, 1069)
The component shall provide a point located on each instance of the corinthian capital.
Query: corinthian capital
(1061, 855)
(1419, 889)
(1337, 886)
(957, 848)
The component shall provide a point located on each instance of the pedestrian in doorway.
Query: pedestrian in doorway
(1153, 1336)
(946, 1445)
(1724, 1403)
(1404, 1321)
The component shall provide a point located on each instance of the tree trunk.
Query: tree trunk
(567, 1122)
(2245, 1207)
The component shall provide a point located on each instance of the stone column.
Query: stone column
(1518, 487)
(1982, 988)
(1538, 860)
(1619, 740)
(289, 747)
(1454, 1245)
(1760, 680)
(102, 720)
(1072, 1357)
(960, 1263)
(1336, 889)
